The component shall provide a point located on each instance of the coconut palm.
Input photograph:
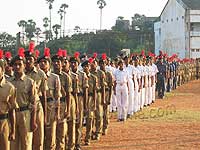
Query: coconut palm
(77, 29)
(102, 4)
(30, 29)
(37, 33)
(56, 27)
(63, 7)
(50, 3)
(60, 12)
(22, 24)
(45, 25)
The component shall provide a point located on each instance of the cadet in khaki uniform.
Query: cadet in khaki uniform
(41, 85)
(8, 67)
(100, 99)
(186, 72)
(108, 92)
(7, 108)
(91, 101)
(182, 66)
(197, 68)
(65, 100)
(53, 101)
(82, 96)
(26, 93)
(70, 137)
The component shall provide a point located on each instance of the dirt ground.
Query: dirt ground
(169, 124)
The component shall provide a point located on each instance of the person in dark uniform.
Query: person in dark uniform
(161, 78)
(175, 63)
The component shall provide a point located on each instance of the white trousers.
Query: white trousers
(150, 94)
(154, 92)
(122, 100)
(139, 99)
(130, 97)
(146, 102)
(142, 98)
(136, 101)
(113, 104)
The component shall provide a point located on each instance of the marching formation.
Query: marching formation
(47, 100)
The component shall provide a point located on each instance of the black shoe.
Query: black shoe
(97, 138)
(118, 120)
(87, 143)
(78, 147)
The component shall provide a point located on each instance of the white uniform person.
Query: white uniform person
(129, 69)
(155, 71)
(121, 90)
(113, 104)
(137, 81)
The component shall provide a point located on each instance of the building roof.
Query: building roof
(192, 4)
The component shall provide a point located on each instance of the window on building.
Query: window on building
(182, 17)
(172, 20)
(177, 18)
(197, 50)
(167, 20)
(193, 50)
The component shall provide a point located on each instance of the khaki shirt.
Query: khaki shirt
(26, 90)
(66, 83)
(100, 78)
(8, 96)
(108, 80)
(40, 79)
(74, 78)
(54, 85)
(92, 82)
(82, 81)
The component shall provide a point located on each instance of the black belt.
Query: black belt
(80, 94)
(107, 89)
(22, 108)
(90, 94)
(50, 99)
(63, 99)
(160, 73)
(3, 116)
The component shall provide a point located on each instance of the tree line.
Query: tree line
(136, 35)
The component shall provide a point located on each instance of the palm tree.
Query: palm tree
(77, 29)
(45, 25)
(102, 4)
(30, 29)
(37, 33)
(50, 2)
(63, 7)
(22, 24)
(60, 12)
(56, 27)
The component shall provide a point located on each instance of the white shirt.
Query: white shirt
(154, 72)
(129, 70)
(121, 76)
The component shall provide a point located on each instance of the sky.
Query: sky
(82, 13)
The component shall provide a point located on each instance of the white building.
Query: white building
(178, 31)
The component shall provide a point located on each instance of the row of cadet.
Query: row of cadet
(45, 100)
